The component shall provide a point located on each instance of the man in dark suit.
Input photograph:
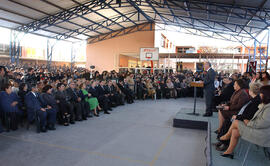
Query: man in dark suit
(34, 108)
(115, 98)
(103, 97)
(209, 88)
(74, 101)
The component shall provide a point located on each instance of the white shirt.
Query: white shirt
(34, 94)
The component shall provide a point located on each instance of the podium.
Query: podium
(195, 85)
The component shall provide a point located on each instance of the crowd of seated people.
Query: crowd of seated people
(65, 96)
(243, 106)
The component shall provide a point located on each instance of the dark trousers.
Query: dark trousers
(64, 112)
(11, 120)
(158, 93)
(104, 102)
(76, 113)
(85, 109)
(209, 95)
(48, 116)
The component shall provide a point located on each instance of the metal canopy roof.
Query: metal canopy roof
(234, 20)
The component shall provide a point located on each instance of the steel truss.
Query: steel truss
(191, 16)
(181, 13)
(260, 57)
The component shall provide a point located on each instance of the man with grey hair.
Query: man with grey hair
(209, 88)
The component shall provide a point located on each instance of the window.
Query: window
(162, 41)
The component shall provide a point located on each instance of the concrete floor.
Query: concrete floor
(139, 134)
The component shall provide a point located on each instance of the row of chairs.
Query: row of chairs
(245, 147)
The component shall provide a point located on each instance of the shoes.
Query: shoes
(51, 127)
(89, 116)
(97, 115)
(106, 112)
(227, 155)
(222, 147)
(217, 144)
(72, 122)
(66, 124)
(207, 114)
(43, 129)
(217, 132)
(109, 109)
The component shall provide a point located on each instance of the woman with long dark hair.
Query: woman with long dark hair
(265, 80)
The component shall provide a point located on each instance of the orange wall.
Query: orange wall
(105, 54)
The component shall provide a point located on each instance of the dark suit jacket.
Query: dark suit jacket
(6, 100)
(93, 92)
(48, 99)
(101, 91)
(110, 89)
(61, 96)
(72, 95)
(209, 80)
(32, 102)
(251, 109)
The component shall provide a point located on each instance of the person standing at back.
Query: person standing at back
(209, 88)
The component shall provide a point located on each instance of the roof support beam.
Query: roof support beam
(149, 19)
(98, 13)
(108, 4)
(75, 13)
(19, 14)
(51, 20)
(149, 3)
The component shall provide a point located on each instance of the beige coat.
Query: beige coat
(257, 131)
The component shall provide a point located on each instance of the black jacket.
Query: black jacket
(101, 91)
(48, 99)
(227, 92)
(72, 95)
(61, 96)
(93, 92)
(251, 109)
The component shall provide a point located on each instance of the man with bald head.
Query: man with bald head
(209, 88)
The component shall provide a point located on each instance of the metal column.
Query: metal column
(49, 54)
(14, 48)
(73, 55)
(266, 64)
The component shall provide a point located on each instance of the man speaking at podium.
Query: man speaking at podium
(209, 88)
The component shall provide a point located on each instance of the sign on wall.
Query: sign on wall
(149, 54)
